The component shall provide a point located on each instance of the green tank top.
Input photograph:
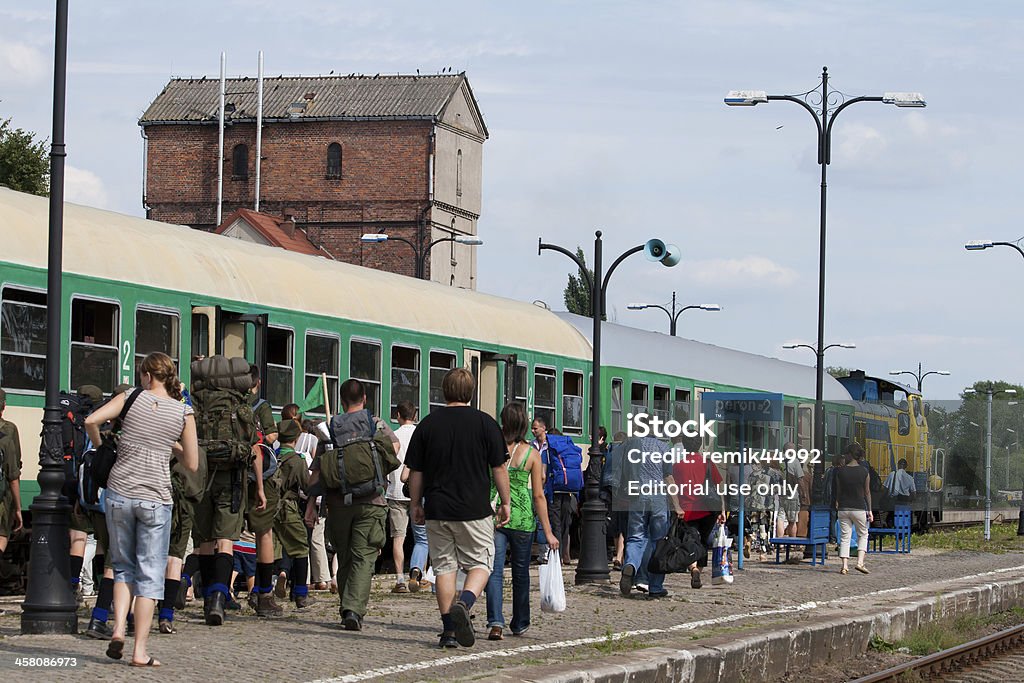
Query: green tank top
(521, 494)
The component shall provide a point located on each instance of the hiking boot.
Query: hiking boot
(304, 601)
(626, 579)
(695, 578)
(281, 586)
(180, 598)
(99, 630)
(253, 599)
(415, 576)
(448, 640)
(167, 626)
(351, 621)
(464, 634)
(267, 607)
(215, 613)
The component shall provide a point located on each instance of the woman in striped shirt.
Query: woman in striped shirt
(156, 426)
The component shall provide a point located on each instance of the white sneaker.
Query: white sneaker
(642, 587)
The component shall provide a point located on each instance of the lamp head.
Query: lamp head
(710, 307)
(942, 372)
(471, 240)
(846, 345)
(373, 237)
(896, 372)
(636, 307)
(1009, 391)
(904, 99)
(745, 98)
(790, 346)
(978, 245)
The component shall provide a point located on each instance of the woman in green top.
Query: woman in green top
(526, 479)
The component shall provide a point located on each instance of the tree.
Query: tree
(24, 160)
(837, 371)
(577, 295)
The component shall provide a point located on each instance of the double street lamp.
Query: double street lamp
(819, 102)
(593, 565)
(838, 345)
(421, 256)
(989, 392)
(673, 312)
(919, 376)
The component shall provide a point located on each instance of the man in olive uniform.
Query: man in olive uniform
(10, 477)
(289, 528)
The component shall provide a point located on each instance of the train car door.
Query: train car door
(494, 382)
(230, 333)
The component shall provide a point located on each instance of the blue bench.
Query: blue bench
(817, 535)
(900, 531)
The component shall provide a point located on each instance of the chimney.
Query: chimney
(289, 226)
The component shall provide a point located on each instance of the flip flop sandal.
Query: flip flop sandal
(862, 569)
(115, 650)
(152, 662)
(844, 570)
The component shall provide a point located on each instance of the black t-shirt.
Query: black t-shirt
(455, 448)
(850, 488)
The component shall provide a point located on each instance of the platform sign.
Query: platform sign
(752, 406)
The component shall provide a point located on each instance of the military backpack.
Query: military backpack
(360, 460)
(225, 424)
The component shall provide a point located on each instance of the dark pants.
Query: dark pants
(517, 545)
(560, 513)
(703, 525)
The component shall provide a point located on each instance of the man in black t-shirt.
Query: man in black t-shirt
(452, 457)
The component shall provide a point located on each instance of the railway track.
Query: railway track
(997, 657)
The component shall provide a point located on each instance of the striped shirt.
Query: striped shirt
(150, 428)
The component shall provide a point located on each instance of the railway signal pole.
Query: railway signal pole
(49, 606)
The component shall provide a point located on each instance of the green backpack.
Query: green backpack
(361, 459)
(225, 423)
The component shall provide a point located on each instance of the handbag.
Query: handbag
(675, 552)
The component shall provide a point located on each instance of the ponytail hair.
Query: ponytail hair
(161, 368)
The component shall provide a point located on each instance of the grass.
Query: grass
(946, 633)
(611, 645)
(1004, 539)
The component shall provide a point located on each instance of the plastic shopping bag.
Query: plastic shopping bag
(552, 588)
(721, 567)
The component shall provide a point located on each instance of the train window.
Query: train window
(544, 395)
(903, 424)
(333, 161)
(95, 333)
(440, 363)
(322, 352)
(661, 402)
(789, 424)
(23, 339)
(240, 162)
(200, 334)
(681, 405)
(405, 378)
(280, 367)
(155, 331)
(522, 380)
(364, 365)
(831, 433)
(804, 430)
(616, 406)
(638, 398)
(572, 402)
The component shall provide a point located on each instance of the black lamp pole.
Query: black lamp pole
(420, 256)
(49, 606)
(673, 314)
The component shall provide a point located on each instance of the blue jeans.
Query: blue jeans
(420, 548)
(518, 544)
(643, 531)
(140, 533)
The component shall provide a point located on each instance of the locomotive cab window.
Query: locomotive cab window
(280, 365)
(572, 402)
(95, 333)
(440, 363)
(364, 365)
(322, 352)
(405, 378)
(544, 395)
(23, 340)
(155, 331)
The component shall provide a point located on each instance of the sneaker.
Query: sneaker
(281, 586)
(626, 579)
(167, 626)
(695, 577)
(521, 631)
(351, 621)
(304, 601)
(464, 634)
(266, 606)
(642, 587)
(400, 588)
(448, 640)
(654, 595)
(99, 630)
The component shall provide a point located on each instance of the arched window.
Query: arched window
(458, 174)
(240, 162)
(334, 160)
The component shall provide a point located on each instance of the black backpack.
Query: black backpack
(75, 442)
(99, 461)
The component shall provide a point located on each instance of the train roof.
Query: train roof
(629, 347)
(113, 246)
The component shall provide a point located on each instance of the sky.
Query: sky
(610, 116)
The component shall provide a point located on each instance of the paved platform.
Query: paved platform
(601, 630)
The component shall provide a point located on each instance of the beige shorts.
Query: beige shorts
(461, 545)
(398, 517)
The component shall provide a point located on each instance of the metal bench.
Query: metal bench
(900, 531)
(817, 535)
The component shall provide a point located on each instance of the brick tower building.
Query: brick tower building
(341, 155)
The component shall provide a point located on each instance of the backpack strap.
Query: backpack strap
(128, 402)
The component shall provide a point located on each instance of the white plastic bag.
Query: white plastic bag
(552, 588)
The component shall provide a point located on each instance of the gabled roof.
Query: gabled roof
(275, 231)
(291, 98)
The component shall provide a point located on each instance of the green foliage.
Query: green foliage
(1004, 538)
(837, 371)
(577, 295)
(24, 161)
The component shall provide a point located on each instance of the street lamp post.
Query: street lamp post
(593, 565)
(49, 605)
(673, 313)
(919, 376)
(817, 102)
(421, 256)
(990, 391)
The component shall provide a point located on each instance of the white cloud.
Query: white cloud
(20, 63)
(742, 272)
(84, 187)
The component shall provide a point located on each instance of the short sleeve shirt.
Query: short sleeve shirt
(455, 448)
(142, 469)
(10, 444)
(687, 475)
